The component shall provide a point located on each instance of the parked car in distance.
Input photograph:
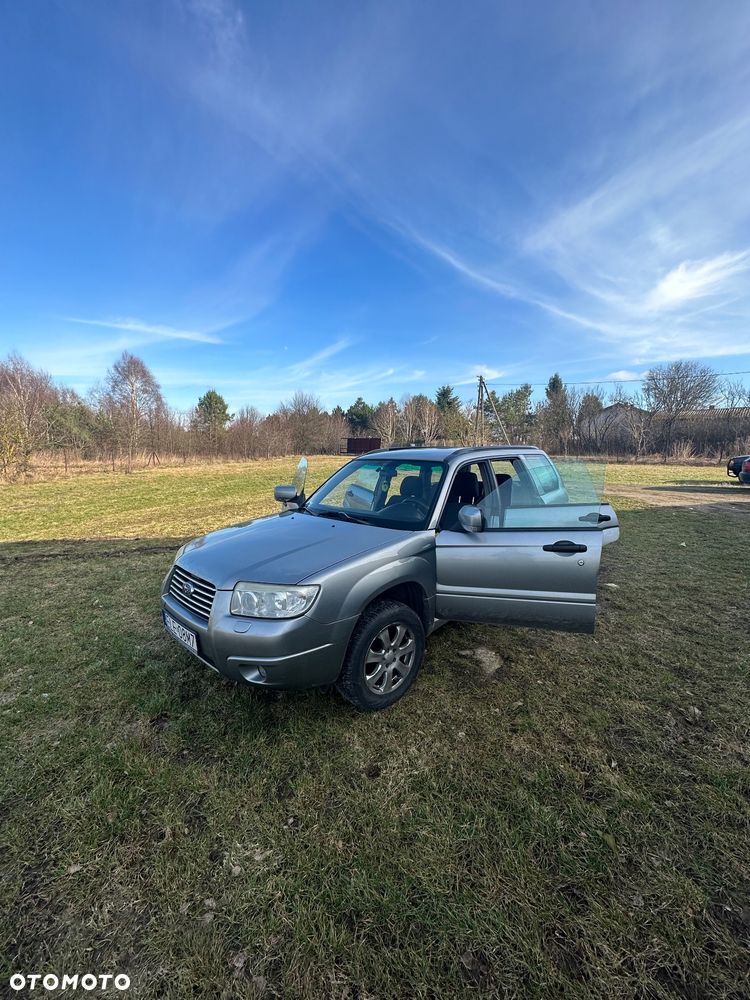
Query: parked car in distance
(739, 466)
(343, 587)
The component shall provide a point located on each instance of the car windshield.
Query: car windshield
(386, 492)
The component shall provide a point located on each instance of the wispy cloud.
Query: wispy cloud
(154, 331)
(695, 279)
(608, 263)
(307, 365)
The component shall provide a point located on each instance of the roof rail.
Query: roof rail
(468, 449)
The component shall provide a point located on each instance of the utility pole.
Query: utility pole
(483, 392)
(479, 409)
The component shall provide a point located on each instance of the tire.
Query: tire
(384, 656)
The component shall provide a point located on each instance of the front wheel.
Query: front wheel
(384, 656)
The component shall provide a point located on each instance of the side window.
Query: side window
(467, 488)
(543, 473)
(514, 483)
(510, 486)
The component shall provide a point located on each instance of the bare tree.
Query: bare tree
(463, 431)
(385, 420)
(243, 431)
(556, 417)
(673, 389)
(304, 418)
(274, 434)
(429, 419)
(135, 394)
(591, 421)
(334, 430)
(408, 419)
(630, 426)
(26, 396)
(70, 424)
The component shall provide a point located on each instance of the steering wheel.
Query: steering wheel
(422, 507)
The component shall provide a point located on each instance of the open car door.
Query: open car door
(535, 561)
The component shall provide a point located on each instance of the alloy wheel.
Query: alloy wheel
(390, 658)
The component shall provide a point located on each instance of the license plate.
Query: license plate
(181, 634)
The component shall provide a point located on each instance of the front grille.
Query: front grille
(202, 597)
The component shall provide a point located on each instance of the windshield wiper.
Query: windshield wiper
(341, 515)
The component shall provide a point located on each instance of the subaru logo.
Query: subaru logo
(188, 588)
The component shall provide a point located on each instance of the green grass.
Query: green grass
(176, 501)
(543, 816)
(182, 501)
(658, 474)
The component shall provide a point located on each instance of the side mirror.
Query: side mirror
(470, 518)
(285, 494)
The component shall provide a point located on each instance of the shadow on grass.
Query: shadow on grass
(85, 548)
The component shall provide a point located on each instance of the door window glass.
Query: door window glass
(543, 473)
(531, 492)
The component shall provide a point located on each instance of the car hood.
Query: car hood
(284, 548)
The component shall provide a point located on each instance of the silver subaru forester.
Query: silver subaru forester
(344, 586)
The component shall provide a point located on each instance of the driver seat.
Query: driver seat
(465, 490)
(410, 489)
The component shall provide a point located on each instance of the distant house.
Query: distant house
(615, 426)
(617, 415)
(719, 428)
(623, 424)
(726, 414)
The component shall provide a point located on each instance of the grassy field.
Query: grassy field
(544, 816)
(182, 501)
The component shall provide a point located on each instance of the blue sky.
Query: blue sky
(373, 198)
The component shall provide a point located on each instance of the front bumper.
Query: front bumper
(276, 653)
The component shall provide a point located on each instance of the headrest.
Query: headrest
(465, 485)
(410, 486)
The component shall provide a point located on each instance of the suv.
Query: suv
(344, 586)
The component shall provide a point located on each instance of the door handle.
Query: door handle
(563, 546)
(594, 518)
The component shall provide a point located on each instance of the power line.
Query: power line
(598, 381)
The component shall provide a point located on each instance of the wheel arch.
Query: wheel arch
(408, 592)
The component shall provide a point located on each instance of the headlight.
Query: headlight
(262, 600)
(180, 551)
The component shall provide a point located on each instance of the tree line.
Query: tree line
(680, 409)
